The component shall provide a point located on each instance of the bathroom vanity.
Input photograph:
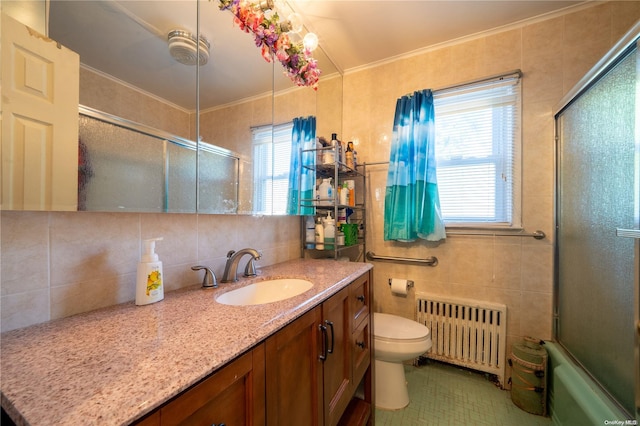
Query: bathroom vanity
(191, 360)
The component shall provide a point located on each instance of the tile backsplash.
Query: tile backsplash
(58, 264)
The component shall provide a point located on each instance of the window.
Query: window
(271, 159)
(478, 152)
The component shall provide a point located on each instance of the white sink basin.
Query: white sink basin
(265, 292)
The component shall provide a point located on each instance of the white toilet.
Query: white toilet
(396, 339)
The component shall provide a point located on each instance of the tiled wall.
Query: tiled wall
(59, 264)
(553, 55)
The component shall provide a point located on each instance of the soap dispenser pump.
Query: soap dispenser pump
(149, 285)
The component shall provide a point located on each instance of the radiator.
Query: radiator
(465, 332)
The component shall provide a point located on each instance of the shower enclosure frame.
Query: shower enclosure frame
(628, 43)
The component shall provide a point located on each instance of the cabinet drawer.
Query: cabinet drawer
(360, 298)
(361, 350)
(233, 396)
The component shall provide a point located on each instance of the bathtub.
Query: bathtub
(574, 399)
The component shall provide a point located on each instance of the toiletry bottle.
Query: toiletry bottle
(344, 194)
(325, 191)
(149, 285)
(349, 156)
(310, 232)
(342, 217)
(319, 235)
(329, 155)
(352, 192)
(329, 232)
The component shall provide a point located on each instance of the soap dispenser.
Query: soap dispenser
(149, 285)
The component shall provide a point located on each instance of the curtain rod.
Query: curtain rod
(510, 74)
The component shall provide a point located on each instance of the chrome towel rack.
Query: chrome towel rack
(429, 261)
(538, 235)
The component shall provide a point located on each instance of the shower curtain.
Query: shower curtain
(412, 205)
(302, 176)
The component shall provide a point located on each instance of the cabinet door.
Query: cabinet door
(294, 373)
(337, 366)
(361, 345)
(360, 299)
(234, 396)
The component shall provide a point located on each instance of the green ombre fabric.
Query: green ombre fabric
(302, 175)
(412, 205)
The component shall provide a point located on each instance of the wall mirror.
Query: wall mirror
(195, 126)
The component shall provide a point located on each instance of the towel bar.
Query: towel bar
(430, 261)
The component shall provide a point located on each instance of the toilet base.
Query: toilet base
(391, 386)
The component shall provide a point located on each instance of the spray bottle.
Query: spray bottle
(149, 285)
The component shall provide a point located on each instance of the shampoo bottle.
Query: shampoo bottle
(149, 285)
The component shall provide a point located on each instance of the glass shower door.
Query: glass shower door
(598, 195)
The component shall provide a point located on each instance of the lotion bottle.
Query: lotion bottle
(149, 285)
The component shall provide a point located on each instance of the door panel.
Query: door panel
(597, 194)
(40, 93)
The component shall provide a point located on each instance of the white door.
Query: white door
(40, 94)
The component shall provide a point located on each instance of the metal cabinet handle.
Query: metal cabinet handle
(360, 344)
(360, 298)
(333, 336)
(325, 342)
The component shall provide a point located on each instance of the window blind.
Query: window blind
(478, 152)
(271, 161)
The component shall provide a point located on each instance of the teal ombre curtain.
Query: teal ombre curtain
(412, 204)
(302, 175)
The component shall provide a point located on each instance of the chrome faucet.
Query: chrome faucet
(209, 280)
(231, 267)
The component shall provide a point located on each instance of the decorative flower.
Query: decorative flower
(299, 64)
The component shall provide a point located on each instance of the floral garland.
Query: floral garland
(299, 65)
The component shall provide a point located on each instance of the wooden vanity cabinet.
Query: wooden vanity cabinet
(337, 377)
(315, 364)
(232, 396)
(294, 373)
(307, 373)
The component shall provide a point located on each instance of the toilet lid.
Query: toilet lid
(386, 326)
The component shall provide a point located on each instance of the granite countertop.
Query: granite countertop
(114, 365)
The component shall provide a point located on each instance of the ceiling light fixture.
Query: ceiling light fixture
(183, 48)
(295, 20)
(310, 41)
(274, 39)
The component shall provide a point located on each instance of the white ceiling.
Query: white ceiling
(127, 39)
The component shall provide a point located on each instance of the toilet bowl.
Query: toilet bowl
(396, 339)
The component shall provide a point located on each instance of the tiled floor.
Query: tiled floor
(443, 394)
